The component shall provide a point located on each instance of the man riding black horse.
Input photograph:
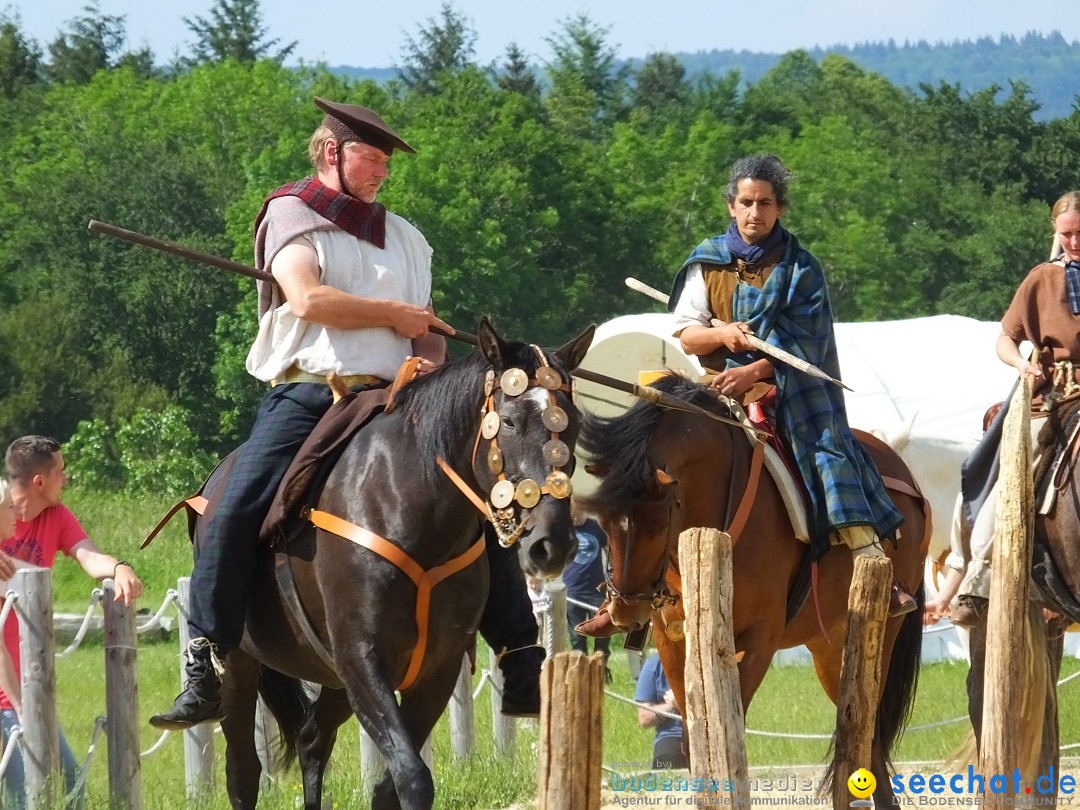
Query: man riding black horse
(352, 295)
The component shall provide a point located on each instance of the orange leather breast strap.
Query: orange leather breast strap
(424, 580)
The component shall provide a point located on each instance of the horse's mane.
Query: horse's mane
(444, 405)
(617, 448)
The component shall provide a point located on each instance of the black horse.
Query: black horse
(394, 593)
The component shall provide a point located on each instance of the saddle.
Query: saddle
(308, 472)
(305, 476)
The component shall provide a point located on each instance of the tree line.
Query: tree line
(537, 200)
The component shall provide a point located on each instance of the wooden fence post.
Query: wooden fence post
(1006, 629)
(554, 631)
(714, 711)
(503, 728)
(121, 701)
(571, 732)
(860, 671)
(372, 764)
(198, 740)
(40, 724)
(462, 714)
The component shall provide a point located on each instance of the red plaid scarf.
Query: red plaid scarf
(363, 220)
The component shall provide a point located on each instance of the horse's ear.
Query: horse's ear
(663, 479)
(491, 345)
(574, 352)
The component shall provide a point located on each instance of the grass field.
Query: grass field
(790, 701)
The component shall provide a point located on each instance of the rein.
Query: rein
(499, 509)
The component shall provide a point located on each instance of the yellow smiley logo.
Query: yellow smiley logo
(861, 783)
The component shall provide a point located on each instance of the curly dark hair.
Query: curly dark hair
(760, 167)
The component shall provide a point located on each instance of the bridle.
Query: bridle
(667, 577)
(660, 596)
(506, 497)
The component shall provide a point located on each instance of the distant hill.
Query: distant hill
(1048, 64)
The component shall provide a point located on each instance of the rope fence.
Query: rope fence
(551, 616)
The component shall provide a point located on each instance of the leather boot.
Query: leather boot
(200, 702)
(900, 601)
(521, 681)
(599, 626)
(969, 610)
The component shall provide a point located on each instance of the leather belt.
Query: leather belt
(293, 375)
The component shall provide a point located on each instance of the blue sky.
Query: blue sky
(372, 34)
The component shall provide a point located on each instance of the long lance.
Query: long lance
(766, 348)
(645, 392)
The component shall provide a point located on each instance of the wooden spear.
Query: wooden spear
(753, 340)
(645, 392)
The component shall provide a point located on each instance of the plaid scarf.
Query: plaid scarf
(363, 220)
(751, 254)
(1072, 284)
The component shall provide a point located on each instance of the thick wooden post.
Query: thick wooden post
(121, 701)
(571, 732)
(1006, 629)
(860, 671)
(199, 740)
(462, 713)
(503, 728)
(41, 729)
(714, 711)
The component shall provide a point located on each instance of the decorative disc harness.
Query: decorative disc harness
(506, 498)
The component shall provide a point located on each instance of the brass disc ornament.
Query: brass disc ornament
(528, 493)
(556, 453)
(514, 382)
(555, 419)
(549, 378)
(489, 382)
(489, 428)
(502, 494)
(558, 484)
(495, 460)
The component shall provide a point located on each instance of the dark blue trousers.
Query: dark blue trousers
(222, 577)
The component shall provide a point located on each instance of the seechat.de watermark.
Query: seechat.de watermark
(959, 789)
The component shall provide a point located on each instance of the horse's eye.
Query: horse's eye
(508, 423)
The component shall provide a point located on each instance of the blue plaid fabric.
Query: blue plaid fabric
(1072, 284)
(793, 312)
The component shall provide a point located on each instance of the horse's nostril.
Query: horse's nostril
(542, 554)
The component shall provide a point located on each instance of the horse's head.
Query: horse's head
(525, 451)
(645, 459)
(642, 545)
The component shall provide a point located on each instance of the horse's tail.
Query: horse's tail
(898, 696)
(288, 702)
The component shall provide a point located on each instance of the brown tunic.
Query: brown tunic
(720, 281)
(1040, 312)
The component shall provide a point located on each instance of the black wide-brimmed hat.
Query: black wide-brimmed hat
(351, 122)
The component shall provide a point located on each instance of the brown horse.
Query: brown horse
(1055, 579)
(664, 471)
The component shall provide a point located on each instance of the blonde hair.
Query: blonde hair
(1069, 201)
(315, 146)
(5, 490)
